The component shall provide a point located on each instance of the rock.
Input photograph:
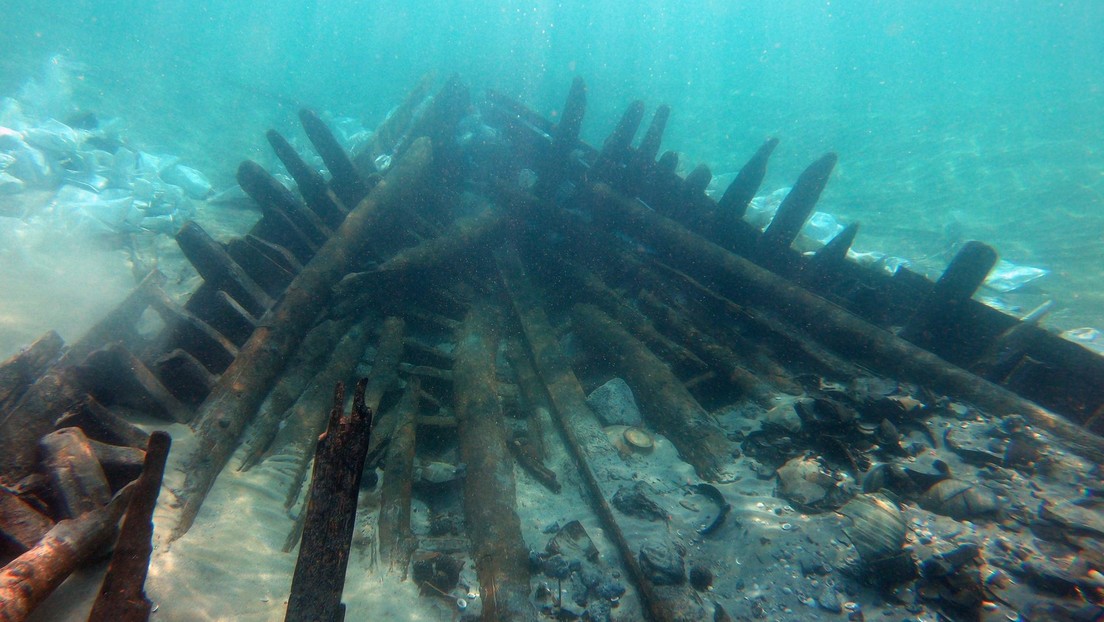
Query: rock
(784, 417)
(573, 542)
(701, 578)
(614, 404)
(635, 501)
(193, 182)
(662, 564)
(609, 589)
(829, 600)
(805, 482)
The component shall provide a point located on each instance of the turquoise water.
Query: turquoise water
(952, 120)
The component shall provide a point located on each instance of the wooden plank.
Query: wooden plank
(490, 512)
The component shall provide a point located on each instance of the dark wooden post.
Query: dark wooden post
(122, 595)
(330, 513)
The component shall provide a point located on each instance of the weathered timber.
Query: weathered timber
(21, 525)
(825, 264)
(76, 477)
(490, 513)
(393, 130)
(527, 457)
(259, 264)
(534, 399)
(665, 402)
(243, 385)
(312, 185)
(29, 579)
(319, 576)
(121, 464)
(216, 267)
(646, 153)
(33, 416)
(614, 157)
(122, 595)
(347, 183)
(100, 424)
(113, 375)
(734, 202)
(302, 428)
(306, 418)
(796, 207)
(576, 421)
(273, 197)
(633, 320)
(223, 313)
(20, 371)
(565, 136)
(277, 228)
(279, 255)
(720, 357)
(184, 376)
(934, 326)
(193, 335)
(775, 338)
(461, 236)
(835, 327)
(309, 359)
(1002, 355)
(397, 541)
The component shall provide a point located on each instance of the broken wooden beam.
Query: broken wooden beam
(305, 420)
(667, 405)
(235, 399)
(76, 477)
(32, 417)
(796, 208)
(576, 421)
(20, 371)
(26, 581)
(122, 595)
(100, 424)
(734, 202)
(933, 325)
(21, 525)
(330, 511)
(312, 185)
(346, 182)
(834, 326)
(310, 359)
(490, 512)
(113, 375)
(220, 270)
(396, 539)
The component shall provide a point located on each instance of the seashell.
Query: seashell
(960, 500)
(639, 440)
(876, 529)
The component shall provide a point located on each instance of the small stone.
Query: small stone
(614, 404)
(829, 600)
(662, 565)
(701, 578)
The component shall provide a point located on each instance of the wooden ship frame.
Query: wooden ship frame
(415, 242)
